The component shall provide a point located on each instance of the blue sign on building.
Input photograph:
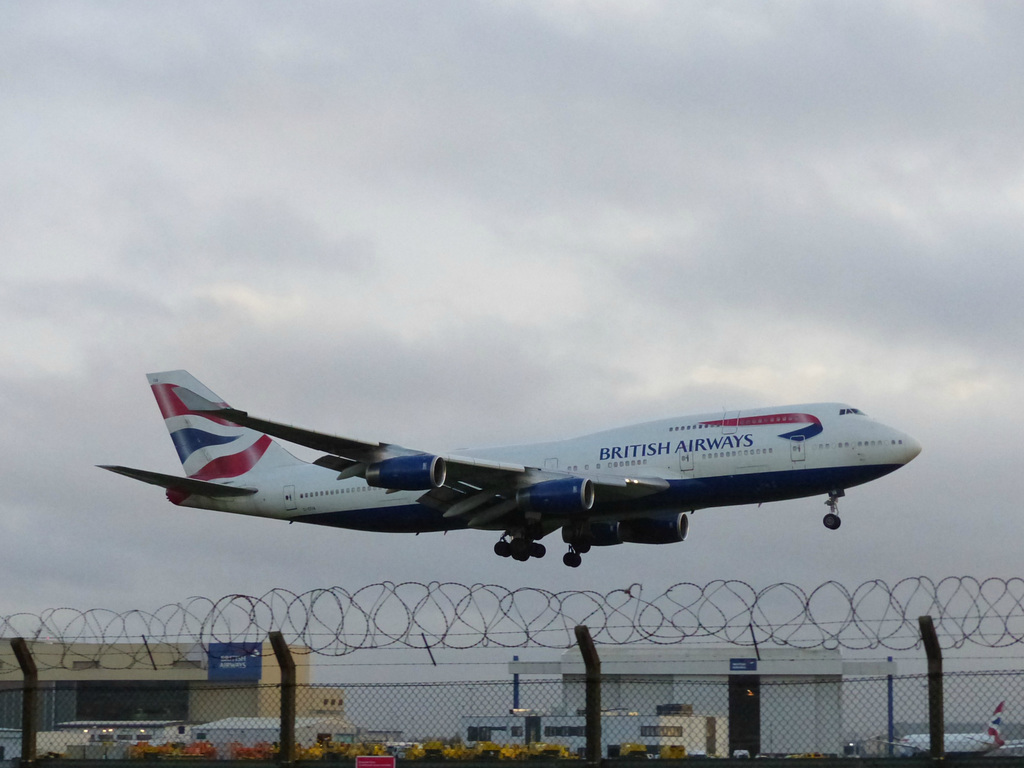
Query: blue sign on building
(235, 661)
(743, 665)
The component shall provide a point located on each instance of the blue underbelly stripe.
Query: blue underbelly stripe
(682, 495)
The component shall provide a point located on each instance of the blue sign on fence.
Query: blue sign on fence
(743, 665)
(235, 661)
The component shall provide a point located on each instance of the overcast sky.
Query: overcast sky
(451, 224)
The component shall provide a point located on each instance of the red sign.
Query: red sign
(375, 761)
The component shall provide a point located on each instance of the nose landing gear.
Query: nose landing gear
(831, 520)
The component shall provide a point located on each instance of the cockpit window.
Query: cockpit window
(844, 411)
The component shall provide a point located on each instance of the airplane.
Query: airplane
(634, 484)
(990, 741)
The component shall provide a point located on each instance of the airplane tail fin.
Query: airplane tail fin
(994, 725)
(210, 447)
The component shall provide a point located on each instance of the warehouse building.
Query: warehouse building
(171, 683)
(719, 701)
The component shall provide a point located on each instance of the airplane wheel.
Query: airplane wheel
(832, 521)
(581, 548)
(520, 549)
(572, 559)
(502, 548)
(538, 550)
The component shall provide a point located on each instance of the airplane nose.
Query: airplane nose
(910, 449)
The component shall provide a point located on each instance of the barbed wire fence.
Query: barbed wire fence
(985, 613)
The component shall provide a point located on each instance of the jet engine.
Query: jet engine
(568, 496)
(645, 530)
(421, 472)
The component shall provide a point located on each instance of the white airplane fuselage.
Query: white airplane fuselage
(988, 741)
(634, 484)
(708, 460)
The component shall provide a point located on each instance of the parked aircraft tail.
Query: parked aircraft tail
(994, 725)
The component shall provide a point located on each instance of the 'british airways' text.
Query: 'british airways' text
(642, 450)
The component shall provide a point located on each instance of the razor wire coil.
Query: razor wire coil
(336, 622)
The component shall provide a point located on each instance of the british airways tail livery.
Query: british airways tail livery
(634, 484)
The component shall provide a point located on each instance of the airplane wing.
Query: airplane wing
(174, 483)
(355, 451)
(484, 506)
(610, 488)
(346, 454)
(481, 490)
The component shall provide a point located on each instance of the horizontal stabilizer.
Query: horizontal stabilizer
(172, 482)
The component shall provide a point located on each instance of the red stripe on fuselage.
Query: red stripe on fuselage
(767, 419)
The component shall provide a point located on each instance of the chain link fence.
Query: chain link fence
(648, 716)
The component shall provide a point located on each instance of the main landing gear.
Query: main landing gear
(577, 548)
(573, 558)
(521, 543)
(519, 548)
(579, 538)
(831, 520)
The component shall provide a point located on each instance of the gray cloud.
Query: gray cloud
(458, 224)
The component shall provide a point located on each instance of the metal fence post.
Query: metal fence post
(286, 753)
(936, 718)
(29, 697)
(592, 662)
(890, 749)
